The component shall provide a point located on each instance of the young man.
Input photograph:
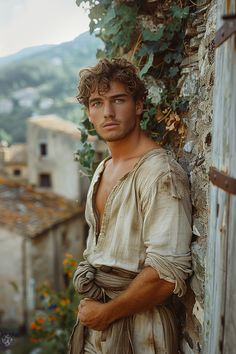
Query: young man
(139, 216)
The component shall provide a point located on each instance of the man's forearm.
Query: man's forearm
(146, 291)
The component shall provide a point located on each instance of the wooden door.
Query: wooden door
(220, 305)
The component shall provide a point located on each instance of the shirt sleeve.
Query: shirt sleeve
(167, 229)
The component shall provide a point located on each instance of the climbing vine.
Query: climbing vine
(151, 34)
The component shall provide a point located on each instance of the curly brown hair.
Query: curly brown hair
(99, 77)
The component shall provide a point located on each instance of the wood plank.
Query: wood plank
(220, 307)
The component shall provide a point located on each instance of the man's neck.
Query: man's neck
(130, 147)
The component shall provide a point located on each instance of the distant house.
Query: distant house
(13, 161)
(26, 96)
(6, 105)
(52, 142)
(36, 230)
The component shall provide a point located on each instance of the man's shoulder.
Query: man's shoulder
(156, 164)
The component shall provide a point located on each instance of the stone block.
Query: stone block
(189, 60)
(188, 147)
(185, 348)
(199, 255)
(194, 42)
(198, 288)
(190, 85)
(201, 29)
(198, 312)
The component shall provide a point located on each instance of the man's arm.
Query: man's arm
(145, 291)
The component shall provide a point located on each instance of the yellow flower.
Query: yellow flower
(65, 262)
(68, 255)
(64, 302)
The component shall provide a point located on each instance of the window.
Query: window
(43, 149)
(45, 180)
(16, 172)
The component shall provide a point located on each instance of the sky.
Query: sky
(26, 23)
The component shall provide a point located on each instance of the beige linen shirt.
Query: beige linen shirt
(146, 222)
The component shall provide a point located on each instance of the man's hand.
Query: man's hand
(144, 292)
(93, 314)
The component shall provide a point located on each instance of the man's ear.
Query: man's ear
(139, 107)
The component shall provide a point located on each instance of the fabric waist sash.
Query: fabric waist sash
(102, 284)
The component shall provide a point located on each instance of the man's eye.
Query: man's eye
(96, 104)
(118, 100)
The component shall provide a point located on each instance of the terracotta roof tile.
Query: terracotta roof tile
(32, 212)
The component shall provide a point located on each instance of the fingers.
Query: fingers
(83, 303)
(84, 300)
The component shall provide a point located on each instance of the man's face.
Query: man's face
(115, 115)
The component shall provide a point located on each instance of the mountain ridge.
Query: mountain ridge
(44, 82)
(23, 53)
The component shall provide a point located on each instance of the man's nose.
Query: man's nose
(108, 110)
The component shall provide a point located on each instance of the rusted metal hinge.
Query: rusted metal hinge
(222, 180)
(226, 31)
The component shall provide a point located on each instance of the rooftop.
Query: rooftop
(30, 212)
(55, 123)
(16, 154)
(58, 124)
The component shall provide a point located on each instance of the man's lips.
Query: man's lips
(110, 124)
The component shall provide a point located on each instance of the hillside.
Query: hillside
(24, 53)
(43, 81)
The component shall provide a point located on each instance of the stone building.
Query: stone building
(13, 161)
(52, 142)
(36, 230)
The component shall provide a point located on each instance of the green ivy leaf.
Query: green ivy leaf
(173, 71)
(177, 58)
(97, 12)
(164, 46)
(179, 12)
(110, 15)
(147, 65)
(100, 54)
(128, 14)
(174, 26)
(144, 124)
(152, 111)
(145, 50)
(84, 136)
(145, 115)
(168, 58)
(149, 35)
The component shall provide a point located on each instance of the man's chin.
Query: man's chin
(111, 139)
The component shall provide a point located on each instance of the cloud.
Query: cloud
(33, 22)
(7, 10)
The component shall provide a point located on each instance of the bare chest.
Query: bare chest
(110, 178)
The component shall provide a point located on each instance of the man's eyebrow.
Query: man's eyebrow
(118, 95)
(95, 99)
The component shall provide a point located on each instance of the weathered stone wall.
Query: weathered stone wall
(197, 80)
(196, 83)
